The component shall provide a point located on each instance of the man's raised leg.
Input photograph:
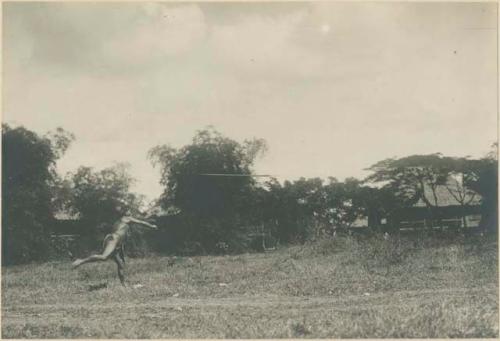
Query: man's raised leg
(108, 251)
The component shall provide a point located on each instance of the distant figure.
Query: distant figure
(113, 245)
(386, 236)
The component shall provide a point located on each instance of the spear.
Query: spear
(238, 175)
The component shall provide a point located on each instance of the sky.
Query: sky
(332, 87)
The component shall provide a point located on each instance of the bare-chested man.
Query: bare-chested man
(114, 243)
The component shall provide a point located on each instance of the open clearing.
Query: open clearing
(343, 289)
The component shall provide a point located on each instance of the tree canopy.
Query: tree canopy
(28, 178)
(463, 177)
(211, 182)
(101, 197)
(215, 205)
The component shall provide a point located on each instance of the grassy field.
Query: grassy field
(342, 288)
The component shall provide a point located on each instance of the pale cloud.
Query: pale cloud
(99, 38)
(258, 46)
(160, 33)
(384, 79)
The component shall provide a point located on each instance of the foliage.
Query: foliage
(481, 176)
(99, 198)
(408, 178)
(214, 208)
(219, 213)
(308, 207)
(60, 140)
(344, 202)
(301, 209)
(28, 178)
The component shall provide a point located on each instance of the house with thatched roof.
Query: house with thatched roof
(445, 206)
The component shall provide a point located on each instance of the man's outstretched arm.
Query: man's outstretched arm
(140, 222)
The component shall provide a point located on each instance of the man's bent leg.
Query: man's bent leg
(93, 258)
(108, 251)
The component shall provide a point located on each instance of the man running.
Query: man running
(113, 245)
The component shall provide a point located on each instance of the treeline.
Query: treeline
(202, 212)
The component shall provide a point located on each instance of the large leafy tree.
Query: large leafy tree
(413, 177)
(300, 208)
(307, 207)
(408, 178)
(377, 203)
(344, 203)
(481, 176)
(213, 207)
(28, 181)
(99, 198)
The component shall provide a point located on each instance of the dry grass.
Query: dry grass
(343, 288)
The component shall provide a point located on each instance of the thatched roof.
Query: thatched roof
(448, 195)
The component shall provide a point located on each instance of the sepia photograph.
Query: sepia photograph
(249, 170)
